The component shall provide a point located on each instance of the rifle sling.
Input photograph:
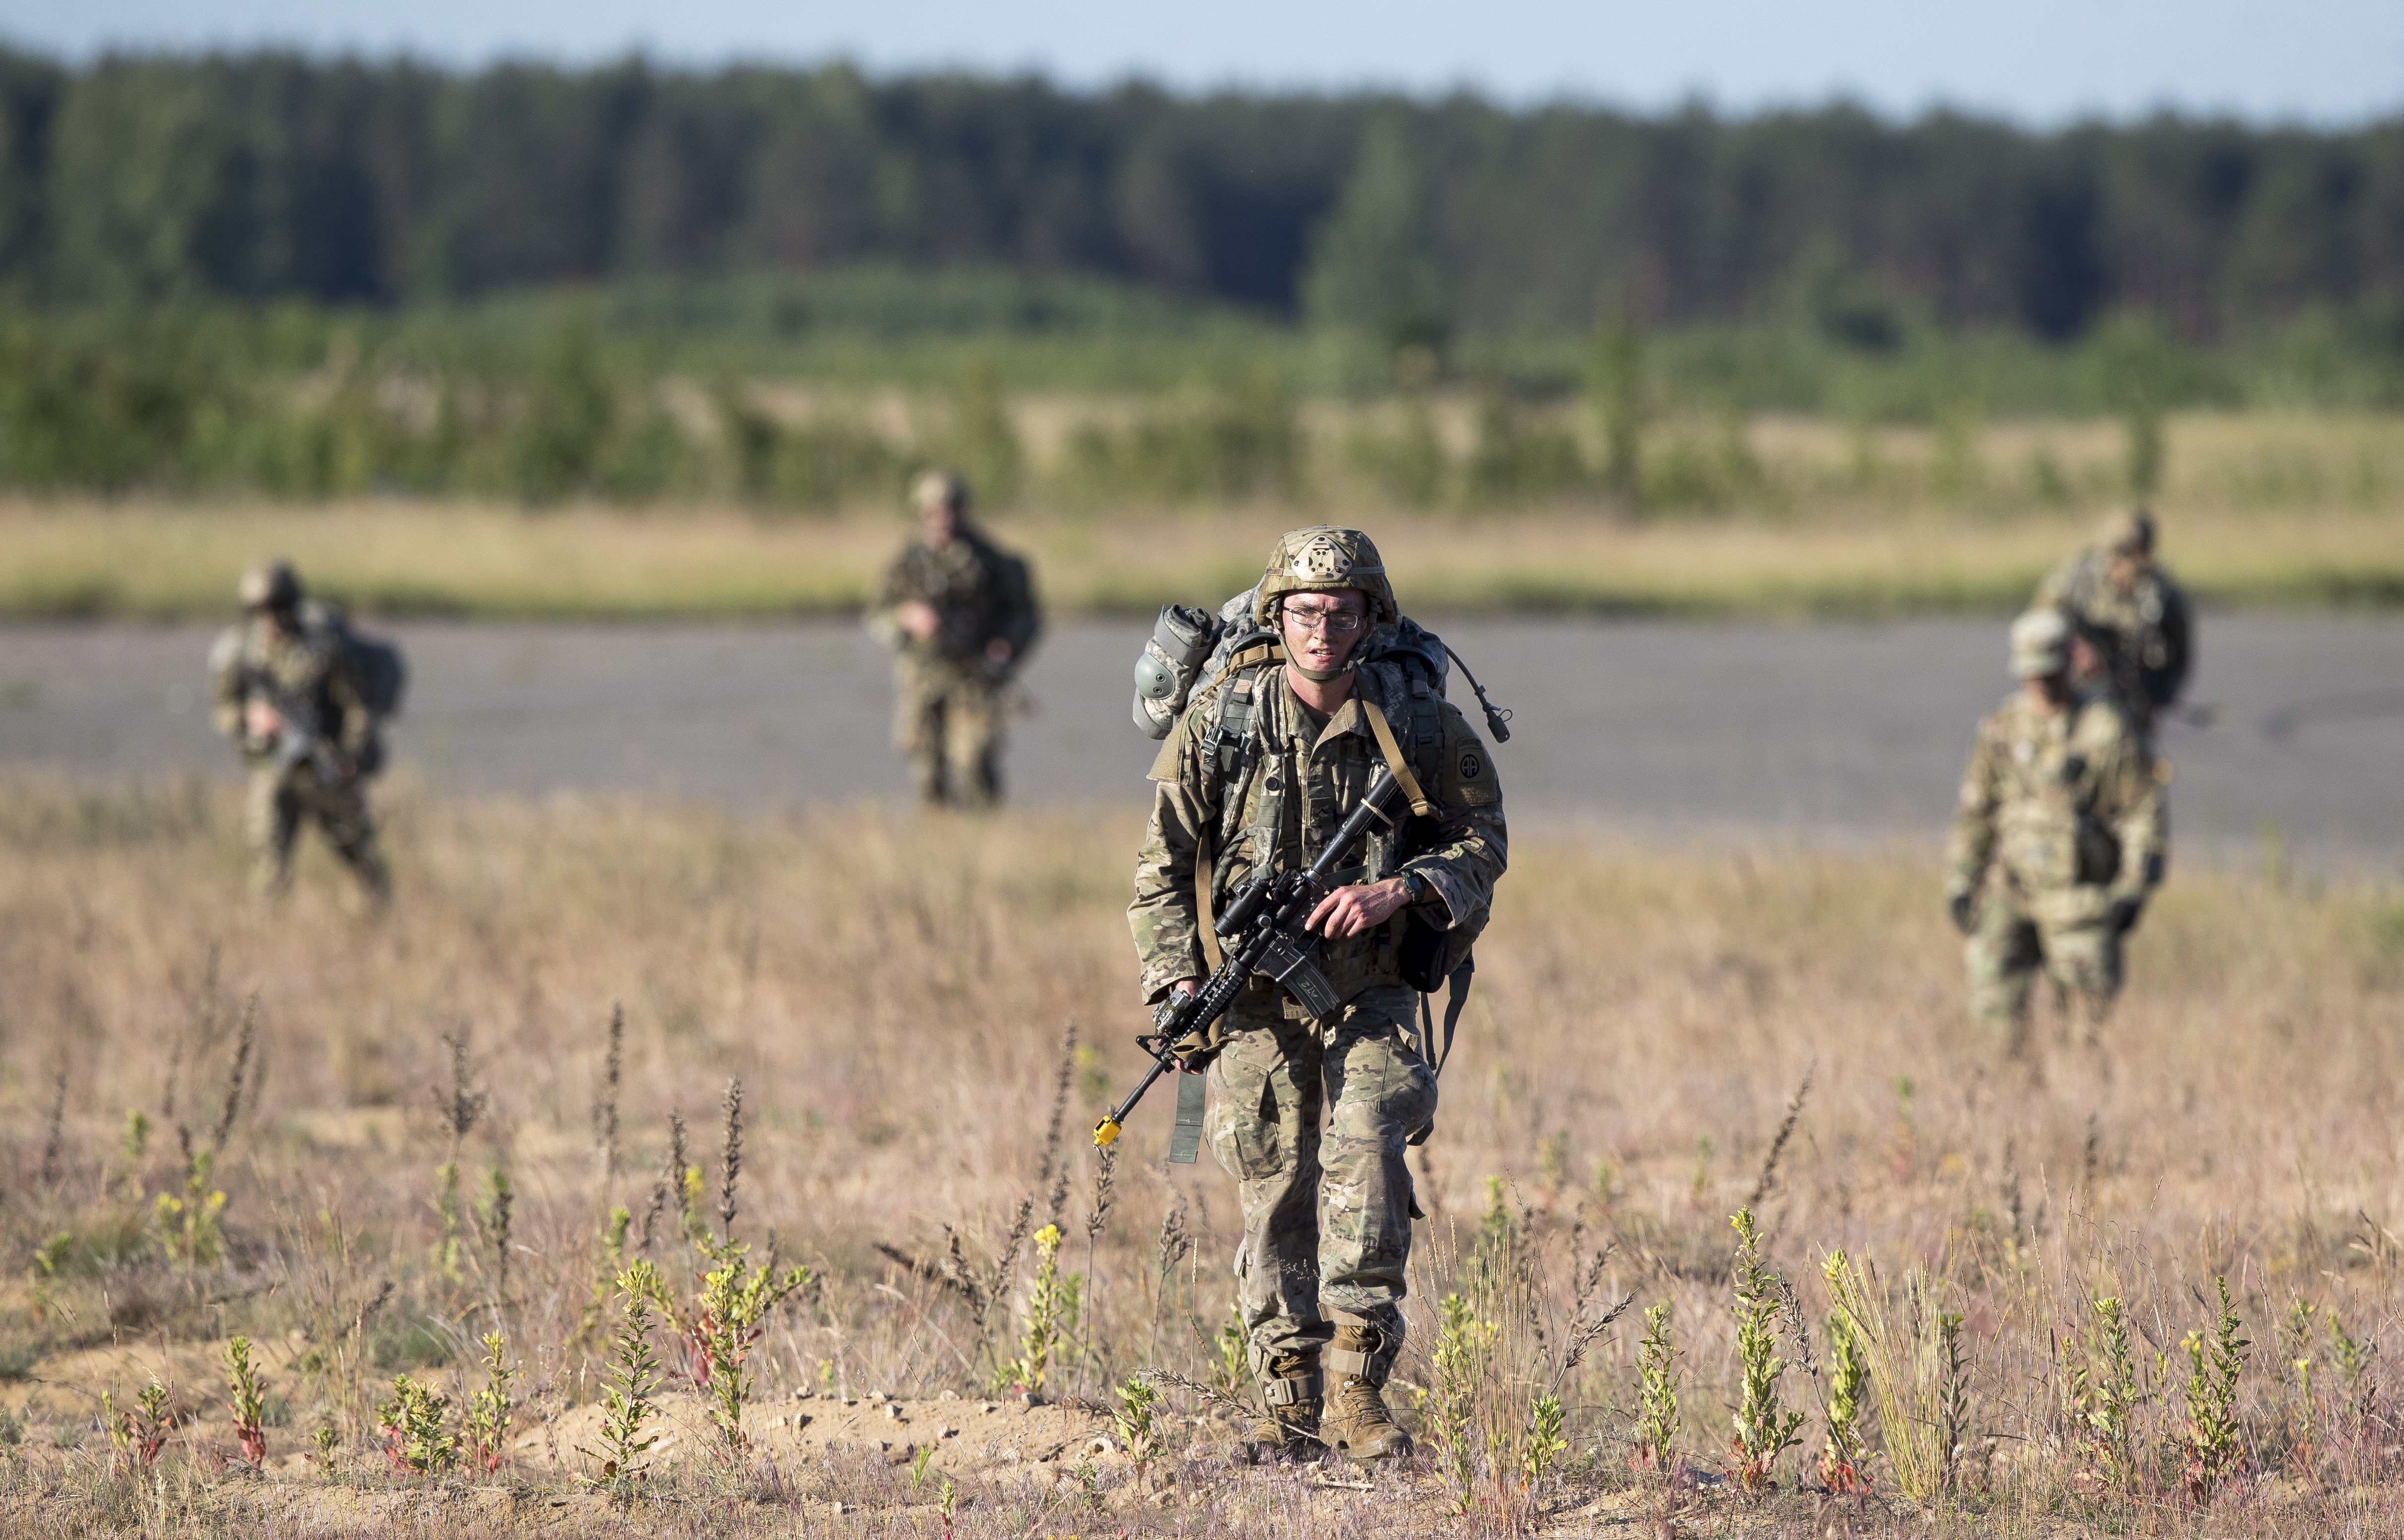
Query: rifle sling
(1383, 731)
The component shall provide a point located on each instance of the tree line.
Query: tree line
(269, 175)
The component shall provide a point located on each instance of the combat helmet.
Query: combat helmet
(2129, 532)
(940, 488)
(1324, 558)
(2040, 645)
(271, 585)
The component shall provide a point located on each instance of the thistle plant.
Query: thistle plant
(2103, 1394)
(416, 1423)
(2353, 1359)
(190, 1228)
(1461, 1345)
(1658, 1418)
(42, 1273)
(1547, 1437)
(1135, 1421)
(1052, 1310)
(626, 1401)
(2212, 1438)
(247, 1396)
(1764, 1427)
(735, 1299)
(490, 1411)
(1844, 1460)
(1232, 1369)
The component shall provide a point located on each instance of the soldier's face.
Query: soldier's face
(283, 623)
(1321, 629)
(940, 521)
(2127, 567)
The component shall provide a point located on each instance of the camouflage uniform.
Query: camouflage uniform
(2145, 632)
(1311, 1115)
(948, 705)
(307, 666)
(2062, 826)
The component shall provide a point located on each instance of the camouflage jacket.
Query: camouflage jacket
(2067, 809)
(1246, 775)
(2144, 633)
(311, 667)
(979, 591)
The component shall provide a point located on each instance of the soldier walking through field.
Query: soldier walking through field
(289, 692)
(2121, 601)
(2058, 841)
(959, 613)
(1311, 1115)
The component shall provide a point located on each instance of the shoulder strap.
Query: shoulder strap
(1383, 731)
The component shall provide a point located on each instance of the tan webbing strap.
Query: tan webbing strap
(1383, 731)
(1202, 875)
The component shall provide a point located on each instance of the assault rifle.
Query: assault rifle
(1263, 931)
(300, 740)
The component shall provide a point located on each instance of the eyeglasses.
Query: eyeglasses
(1336, 623)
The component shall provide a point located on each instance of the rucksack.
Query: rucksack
(377, 667)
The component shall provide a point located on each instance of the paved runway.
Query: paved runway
(1840, 731)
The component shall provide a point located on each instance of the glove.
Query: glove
(2121, 917)
(1966, 912)
(1196, 1048)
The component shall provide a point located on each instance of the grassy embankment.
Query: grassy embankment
(892, 994)
(1831, 521)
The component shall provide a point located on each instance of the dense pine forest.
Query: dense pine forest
(270, 176)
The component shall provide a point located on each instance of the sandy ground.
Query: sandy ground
(1846, 732)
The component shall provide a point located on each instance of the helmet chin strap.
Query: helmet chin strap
(1321, 676)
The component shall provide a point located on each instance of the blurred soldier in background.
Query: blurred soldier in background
(959, 613)
(1311, 1115)
(2057, 841)
(290, 692)
(2136, 617)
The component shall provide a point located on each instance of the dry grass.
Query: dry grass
(154, 561)
(893, 993)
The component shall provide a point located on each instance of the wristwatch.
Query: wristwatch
(1416, 886)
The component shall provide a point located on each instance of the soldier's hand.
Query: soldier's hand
(262, 720)
(1350, 910)
(997, 652)
(1966, 912)
(919, 618)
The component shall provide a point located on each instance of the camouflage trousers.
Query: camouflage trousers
(276, 808)
(2011, 946)
(947, 722)
(1327, 1216)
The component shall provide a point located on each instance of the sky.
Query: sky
(2041, 63)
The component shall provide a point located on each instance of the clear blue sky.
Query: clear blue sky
(2040, 62)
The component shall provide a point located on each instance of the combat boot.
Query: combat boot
(1288, 1429)
(1357, 1422)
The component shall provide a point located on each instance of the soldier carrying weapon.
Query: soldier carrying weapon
(291, 694)
(1318, 1074)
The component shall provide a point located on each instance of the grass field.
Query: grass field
(1662, 1035)
(157, 562)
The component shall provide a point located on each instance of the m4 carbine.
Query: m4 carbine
(300, 739)
(1263, 932)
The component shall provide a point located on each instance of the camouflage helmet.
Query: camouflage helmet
(271, 585)
(1326, 558)
(2129, 532)
(940, 488)
(2040, 645)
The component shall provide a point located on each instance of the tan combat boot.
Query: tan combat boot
(1357, 1422)
(1288, 1429)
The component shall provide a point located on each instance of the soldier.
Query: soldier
(2122, 601)
(2060, 830)
(959, 613)
(286, 692)
(1263, 765)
